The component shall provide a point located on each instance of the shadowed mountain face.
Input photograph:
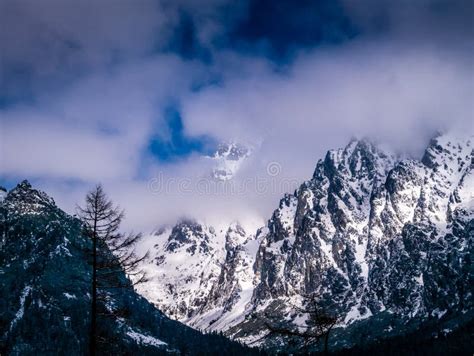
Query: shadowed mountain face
(45, 283)
(383, 241)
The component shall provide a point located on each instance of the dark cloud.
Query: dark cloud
(281, 27)
(47, 44)
(427, 19)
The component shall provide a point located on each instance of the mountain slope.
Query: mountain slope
(383, 242)
(370, 235)
(185, 262)
(229, 297)
(45, 286)
(199, 274)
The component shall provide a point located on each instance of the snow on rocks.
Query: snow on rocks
(368, 232)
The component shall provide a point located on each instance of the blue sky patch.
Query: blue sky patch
(176, 144)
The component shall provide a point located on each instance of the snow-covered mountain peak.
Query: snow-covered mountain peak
(184, 263)
(28, 200)
(232, 151)
(448, 168)
(359, 159)
(235, 236)
(191, 235)
(448, 152)
(228, 159)
(369, 233)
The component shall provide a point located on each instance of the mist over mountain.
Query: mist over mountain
(45, 302)
(386, 243)
(126, 93)
(300, 174)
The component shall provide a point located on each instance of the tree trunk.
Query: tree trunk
(326, 341)
(93, 331)
(111, 256)
(326, 344)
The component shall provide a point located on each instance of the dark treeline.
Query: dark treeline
(459, 342)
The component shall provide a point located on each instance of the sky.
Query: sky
(134, 92)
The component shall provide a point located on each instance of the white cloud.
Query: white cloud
(395, 94)
(99, 92)
(97, 129)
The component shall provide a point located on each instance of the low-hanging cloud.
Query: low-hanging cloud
(393, 94)
(85, 85)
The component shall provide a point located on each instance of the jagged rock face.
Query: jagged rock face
(316, 240)
(26, 200)
(229, 298)
(185, 262)
(368, 235)
(228, 159)
(45, 281)
(201, 276)
(192, 236)
(421, 232)
(34, 231)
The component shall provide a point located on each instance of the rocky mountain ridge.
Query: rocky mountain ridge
(45, 279)
(368, 233)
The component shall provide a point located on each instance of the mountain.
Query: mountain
(45, 283)
(386, 244)
(231, 293)
(228, 159)
(373, 237)
(199, 274)
(185, 263)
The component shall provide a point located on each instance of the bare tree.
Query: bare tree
(318, 325)
(112, 252)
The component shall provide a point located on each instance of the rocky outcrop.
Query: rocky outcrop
(369, 233)
(185, 262)
(228, 159)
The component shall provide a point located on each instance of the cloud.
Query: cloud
(46, 150)
(48, 44)
(98, 128)
(437, 21)
(85, 86)
(387, 91)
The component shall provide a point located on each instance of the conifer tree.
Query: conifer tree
(112, 255)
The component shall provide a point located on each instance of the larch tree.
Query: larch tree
(112, 253)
